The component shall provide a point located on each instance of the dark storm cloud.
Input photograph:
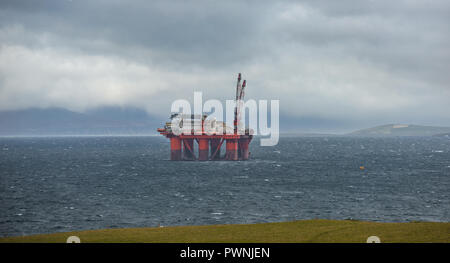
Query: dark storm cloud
(340, 60)
(204, 32)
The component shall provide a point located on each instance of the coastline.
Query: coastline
(303, 231)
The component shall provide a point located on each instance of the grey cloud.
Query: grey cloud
(335, 60)
(206, 32)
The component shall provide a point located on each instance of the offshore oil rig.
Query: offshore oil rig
(211, 137)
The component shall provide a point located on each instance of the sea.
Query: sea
(59, 184)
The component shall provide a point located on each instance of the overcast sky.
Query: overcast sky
(334, 63)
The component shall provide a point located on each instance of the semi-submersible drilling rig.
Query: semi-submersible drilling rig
(211, 137)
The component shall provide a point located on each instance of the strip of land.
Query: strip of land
(313, 231)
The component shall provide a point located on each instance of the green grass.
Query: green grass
(296, 231)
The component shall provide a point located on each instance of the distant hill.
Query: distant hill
(402, 130)
(56, 121)
(447, 135)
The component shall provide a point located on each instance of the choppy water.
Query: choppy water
(62, 184)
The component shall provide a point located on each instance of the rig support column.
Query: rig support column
(203, 149)
(232, 150)
(175, 148)
(243, 147)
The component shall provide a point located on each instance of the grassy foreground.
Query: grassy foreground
(297, 231)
